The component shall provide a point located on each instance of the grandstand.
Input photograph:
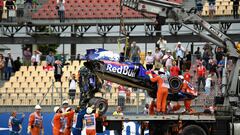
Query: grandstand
(29, 86)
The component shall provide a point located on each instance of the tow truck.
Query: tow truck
(226, 119)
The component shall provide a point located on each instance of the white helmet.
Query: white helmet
(181, 77)
(89, 110)
(65, 102)
(162, 70)
(56, 108)
(38, 107)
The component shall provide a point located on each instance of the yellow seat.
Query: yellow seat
(31, 68)
(50, 74)
(22, 96)
(43, 73)
(21, 79)
(75, 63)
(57, 84)
(23, 68)
(16, 85)
(27, 90)
(7, 85)
(13, 95)
(41, 85)
(26, 74)
(13, 79)
(19, 90)
(71, 68)
(98, 94)
(32, 85)
(29, 79)
(10, 90)
(34, 73)
(37, 79)
(43, 63)
(18, 73)
(24, 84)
(65, 84)
(30, 96)
(39, 68)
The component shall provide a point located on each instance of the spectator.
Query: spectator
(61, 11)
(235, 8)
(2, 65)
(17, 64)
(36, 58)
(198, 53)
(221, 64)
(187, 76)
(10, 8)
(27, 57)
(15, 124)
(213, 67)
(58, 70)
(218, 54)
(179, 50)
(20, 10)
(157, 58)
(118, 112)
(135, 53)
(50, 59)
(188, 60)
(162, 44)
(174, 70)
(211, 10)
(72, 88)
(1, 10)
(149, 60)
(201, 72)
(167, 59)
(28, 10)
(127, 51)
(199, 5)
(9, 66)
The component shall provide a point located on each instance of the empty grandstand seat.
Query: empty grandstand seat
(31, 68)
(40, 84)
(18, 73)
(29, 79)
(98, 94)
(16, 85)
(21, 79)
(37, 79)
(26, 74)
(32, 85)
(23, 68)
(43, 63)
(24, 84)
(34, 73)
(39, 68)
(13, 79)
(43, 73)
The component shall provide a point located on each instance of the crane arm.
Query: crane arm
(177, 14)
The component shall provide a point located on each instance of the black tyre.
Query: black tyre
(100, 103)
(175, 84)
(193, 130)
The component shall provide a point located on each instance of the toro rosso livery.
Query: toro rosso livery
(128, 74)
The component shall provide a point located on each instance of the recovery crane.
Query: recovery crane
(226, 119)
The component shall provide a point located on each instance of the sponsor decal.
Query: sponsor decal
(123, 70)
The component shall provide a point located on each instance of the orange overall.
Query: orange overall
(152, 108)
(57, 124)
(35, 121)
(69, 120)
(90, 123)
(162, 94)
(187, 102)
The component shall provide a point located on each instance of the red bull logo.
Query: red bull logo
(123, 70)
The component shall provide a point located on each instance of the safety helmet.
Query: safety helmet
(65, 102)
(56, 108)
(168, 51)
(149, 51)
(181, 77)
(89, 110)
(38, 107)
(179, 43)
(68, 109)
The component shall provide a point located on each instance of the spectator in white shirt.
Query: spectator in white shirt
(149, 60)
(179, 50)
(36, 58)
(72, 87)
(158, 58)
(168, 59)
(162, 43)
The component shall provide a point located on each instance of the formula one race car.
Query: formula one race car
(100, 66)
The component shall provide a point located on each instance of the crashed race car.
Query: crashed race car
(101, 66)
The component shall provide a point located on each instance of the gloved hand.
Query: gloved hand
(28, 129)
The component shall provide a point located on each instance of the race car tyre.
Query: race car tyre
(193, 130)
(175, 84)
(100, 103)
